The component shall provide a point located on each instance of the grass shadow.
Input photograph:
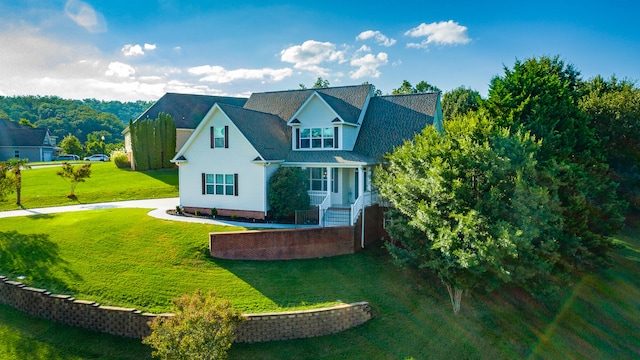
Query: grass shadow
(34, 260)
(167, 176)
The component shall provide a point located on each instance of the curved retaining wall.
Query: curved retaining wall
(134, 323)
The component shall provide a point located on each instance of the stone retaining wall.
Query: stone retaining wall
(134, 323)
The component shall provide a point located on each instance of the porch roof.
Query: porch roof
(328, 157)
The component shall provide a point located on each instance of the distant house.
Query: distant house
(338, 135)
(25, 142)
(187, 111)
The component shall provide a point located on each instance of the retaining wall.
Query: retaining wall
(134, 323)
(300, 243)
(282, 244)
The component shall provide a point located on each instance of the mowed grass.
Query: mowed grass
(595, 318)
(41, 187)
(125, 258)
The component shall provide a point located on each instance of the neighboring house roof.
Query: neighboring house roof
(347, 101)
(14, 134)
(391, 120)
(267, 133)
(188, 110)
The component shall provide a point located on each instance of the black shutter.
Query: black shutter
(297, 138)
(235, 182)
(335, 137)
(204, 185)
(213, 141)
(226, 137)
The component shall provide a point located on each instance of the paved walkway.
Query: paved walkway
(159, 206)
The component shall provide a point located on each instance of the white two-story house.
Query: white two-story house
(339, 135)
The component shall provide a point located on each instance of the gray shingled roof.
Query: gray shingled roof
(347, 101)
(268, 133)
(391, 120)
(328, 157)
(188, 110)
(14, 134)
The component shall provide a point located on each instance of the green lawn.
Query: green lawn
(41, 187)
(596, 318)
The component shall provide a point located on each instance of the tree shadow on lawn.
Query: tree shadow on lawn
(34, 260)
(167, 176)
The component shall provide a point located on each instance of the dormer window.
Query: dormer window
(317, 138)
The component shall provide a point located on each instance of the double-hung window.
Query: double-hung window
(220, 184)
(317, 138)
(219, 137)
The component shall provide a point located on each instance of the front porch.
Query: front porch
(340, 194)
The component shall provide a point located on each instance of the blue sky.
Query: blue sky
(138, 50)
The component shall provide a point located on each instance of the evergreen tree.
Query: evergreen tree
(542, 96)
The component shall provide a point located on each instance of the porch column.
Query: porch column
(328, 170)
(360, 181)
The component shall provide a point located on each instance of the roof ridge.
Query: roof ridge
(412, 94)
(311, 89)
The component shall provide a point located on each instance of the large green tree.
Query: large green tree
(469, 205)
(613, 107)
(71, 145)
(421, 87)
(459, 101)
(542, 95)
(153, 142)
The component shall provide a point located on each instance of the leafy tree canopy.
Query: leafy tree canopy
(459, 101)
(77, 117)
(542, 96)
(470, 206)
(421, 87)
(613, 107)
(288, 192)
(202, 328)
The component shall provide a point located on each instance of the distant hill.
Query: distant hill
(77, 117)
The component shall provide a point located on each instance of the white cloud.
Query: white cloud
(362, 49)
(311, 54)
(137, 49)
(368, 65)
(132, 50)
(441, 33)
(85, 16)
(120, 70)
(220, 75)
(379, 37)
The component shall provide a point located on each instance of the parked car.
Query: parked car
(97, 157)
(66, 157)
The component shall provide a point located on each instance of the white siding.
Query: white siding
(316, 114)
(237, 159)
(349, 137)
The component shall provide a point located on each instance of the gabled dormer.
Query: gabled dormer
(324, 122)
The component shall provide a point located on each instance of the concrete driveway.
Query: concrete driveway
(159, 206)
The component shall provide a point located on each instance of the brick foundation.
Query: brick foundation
(227, 212)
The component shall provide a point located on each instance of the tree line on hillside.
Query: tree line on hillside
(80, 118)
(525, 188)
